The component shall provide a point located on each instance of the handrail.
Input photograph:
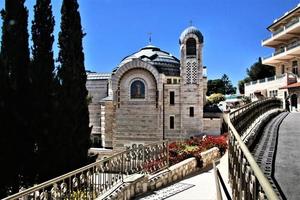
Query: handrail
(218, 188)
(254, 166)
(96, 178)
(218, 180)
(246, 178)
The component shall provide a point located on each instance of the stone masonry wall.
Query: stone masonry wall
(137, 120)
(212, 126)
(109, 120)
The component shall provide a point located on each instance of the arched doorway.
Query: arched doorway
(294, 101)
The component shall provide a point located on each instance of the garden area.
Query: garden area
(193, 147)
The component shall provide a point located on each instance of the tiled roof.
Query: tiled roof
(293, 85)
(97, 76)
(163, 61)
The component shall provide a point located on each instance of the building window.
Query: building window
(273, 93)
(295, 67)
(282, 69)
(191, 111)
(172, 98)
(191, 47)
(174, 81)
(169, 81)
(137, 90)
(172, 119)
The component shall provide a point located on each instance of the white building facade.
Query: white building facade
(285, 40)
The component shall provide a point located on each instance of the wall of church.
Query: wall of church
(172, 110)
(107, 123)
(137, 120)
(191, 96)
(97, 89)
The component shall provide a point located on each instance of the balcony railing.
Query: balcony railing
(264, 80)
(278, 31)
(293, 45)
(245, 176)
(93, 180)
(284, 49)
(283, 28)
(291, 23)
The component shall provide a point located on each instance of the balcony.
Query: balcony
(283, 34)
(283, 54)
(265, 80)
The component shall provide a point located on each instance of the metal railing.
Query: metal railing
(93, 180)
(284, 49)
(219, 180)
(246, 178)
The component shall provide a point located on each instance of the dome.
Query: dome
(163, 61)
(191, 30)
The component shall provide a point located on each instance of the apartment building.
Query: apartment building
(285, 40)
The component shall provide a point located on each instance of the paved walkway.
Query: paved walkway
(201, 186)
(265, 149)
(287, 164)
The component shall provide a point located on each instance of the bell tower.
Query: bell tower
(192, 82)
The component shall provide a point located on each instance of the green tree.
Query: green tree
(18, 147)
(215, 86)
(241, 84)
(222, 86)
(259, 71)
(228, 87)
(75, 116)
(4, 136)
(42, 76)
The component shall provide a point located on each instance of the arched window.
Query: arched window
(137, 90)
(191, 47)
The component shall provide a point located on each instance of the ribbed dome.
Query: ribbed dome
(163, 61)
(189, 30)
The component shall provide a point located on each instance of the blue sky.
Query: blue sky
(232, 29)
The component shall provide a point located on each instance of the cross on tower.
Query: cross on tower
(150, 37)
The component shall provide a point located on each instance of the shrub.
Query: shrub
(216, 98)
(179, 151)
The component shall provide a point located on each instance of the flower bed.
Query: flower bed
(179, 151)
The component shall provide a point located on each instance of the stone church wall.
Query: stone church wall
(172, 110)
(98, 89)
(137, 120)
(107, 127)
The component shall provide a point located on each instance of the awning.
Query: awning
(293, 85)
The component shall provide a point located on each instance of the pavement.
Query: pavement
(200, 186)
(287, 163)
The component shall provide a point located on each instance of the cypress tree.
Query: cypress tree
(15, 57)
(4, 133)
(42, 76)
(73, 98)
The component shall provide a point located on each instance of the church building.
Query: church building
(150, 96)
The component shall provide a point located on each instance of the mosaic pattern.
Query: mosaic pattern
(168, 191)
